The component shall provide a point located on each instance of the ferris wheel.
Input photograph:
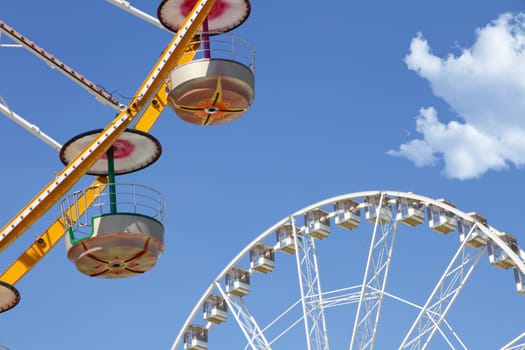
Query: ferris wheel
(116, 230)
(303, 309)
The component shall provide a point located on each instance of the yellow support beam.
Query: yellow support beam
(43, 244)
(151, 90)
(52, 235)
(160, 100)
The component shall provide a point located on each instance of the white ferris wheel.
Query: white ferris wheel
(243, 308)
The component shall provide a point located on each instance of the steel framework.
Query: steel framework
(313, 302)
(246, 321)
(311, 291)
(374, 282)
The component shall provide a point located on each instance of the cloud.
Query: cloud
(484, 85)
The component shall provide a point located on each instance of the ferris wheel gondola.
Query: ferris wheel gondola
(115, 237)
(217, 87)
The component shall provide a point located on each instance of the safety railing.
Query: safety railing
(225, 46)
(77, 212)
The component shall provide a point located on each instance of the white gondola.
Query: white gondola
(347, 214)
(215, 309)
(317, 223)
(285, 239)
(374, 212)
(410, 211)
(196, 338)
(262, 258)
(519, 277)
(238, 282)
(477, 238)
(497, 255)
(441, 220)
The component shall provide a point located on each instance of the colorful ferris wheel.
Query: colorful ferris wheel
(115, 230)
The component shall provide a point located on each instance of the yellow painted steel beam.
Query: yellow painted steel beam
(52, 235)
(43, 244)
(58, 187)
(160, 100)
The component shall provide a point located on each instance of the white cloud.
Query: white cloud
(484, 85)
(419, 151)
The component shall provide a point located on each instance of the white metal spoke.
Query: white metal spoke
(333, 298)
(374, 283)
(245, 320)
(445, 293)
(517, 343)
(311, 293)
(126, 6)
(283, 332)
(453, 333)
(345, 296)
(33, 129)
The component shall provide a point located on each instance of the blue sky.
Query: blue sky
(350, 96)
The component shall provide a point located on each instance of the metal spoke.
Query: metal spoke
(245, 320)
(386, 210)
(517, 343)
(445, 293)
(311, 292)
(374, 282)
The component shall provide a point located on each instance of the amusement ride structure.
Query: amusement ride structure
(299, 239)
(109, 234)
(115, 230)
